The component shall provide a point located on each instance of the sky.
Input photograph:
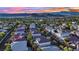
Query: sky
(22, 9)
(36, 9)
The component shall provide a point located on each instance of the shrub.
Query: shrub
(8, 47)
(2, 34)
(39, 49)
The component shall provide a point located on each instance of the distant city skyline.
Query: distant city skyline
(36, 9)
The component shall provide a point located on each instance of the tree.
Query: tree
(65, 49)
(39, 49)
(2, 34)
(29, 36)
(61, 46)
(67, 40)
(29, 40)
(8, 47)
(69, 24)
(68, 49)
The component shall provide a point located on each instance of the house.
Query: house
(77, 45)
(41, 41)
(20, 29)
(19, 32)
(10, 24)
(50, 48)
(6, 24)
(1, 26)
(3, 30)
(19, 43)
(74, 38)
(77, 32)
(74, 25)
(48, 28)
(63, 26)
(35, 33)
(6, 27)
(18, 37)
(19, 46)
(45, 44)
(33, 25)
(60, 34)
(33, 29)
(65, 34)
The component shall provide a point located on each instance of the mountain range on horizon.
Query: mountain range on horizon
(62, 13)
(14, 10)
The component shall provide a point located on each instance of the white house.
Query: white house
(32, 25)
(74, 25)
(48, 28)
